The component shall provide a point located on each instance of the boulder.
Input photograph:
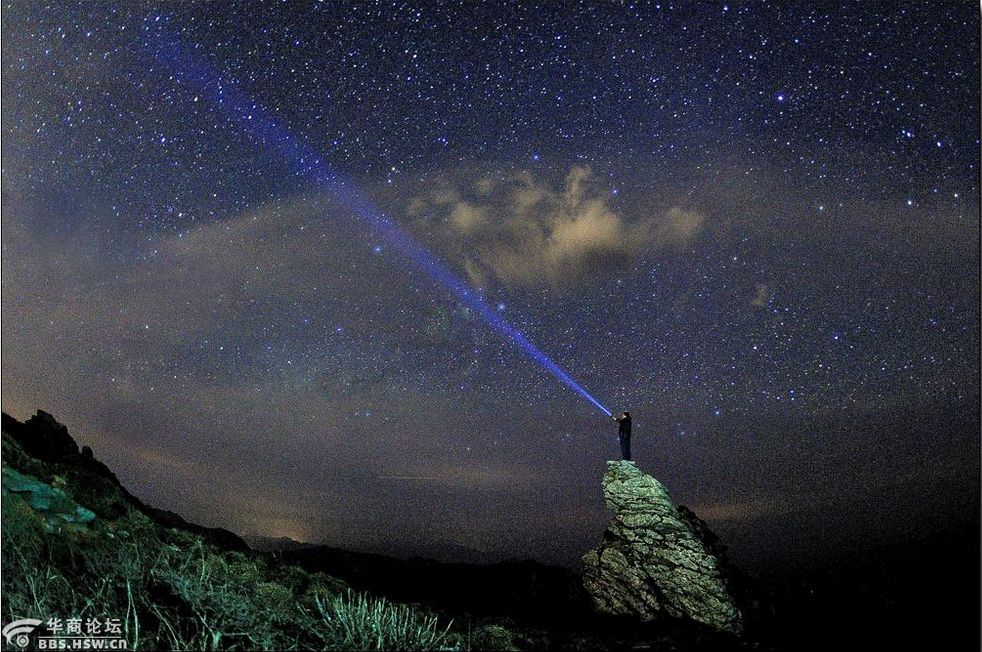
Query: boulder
(653, 560)
(49, 501)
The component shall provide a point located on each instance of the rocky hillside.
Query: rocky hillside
(48, 441)
(78, 546)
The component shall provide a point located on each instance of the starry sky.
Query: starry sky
(754, 225)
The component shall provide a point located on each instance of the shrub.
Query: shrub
(174, 591)
(357, 622)
(492, 637)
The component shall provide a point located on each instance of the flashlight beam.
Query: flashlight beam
(254, 120)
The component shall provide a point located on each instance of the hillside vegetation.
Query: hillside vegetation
(77, 545)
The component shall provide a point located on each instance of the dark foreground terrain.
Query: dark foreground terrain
(77, 544)
(919, 596)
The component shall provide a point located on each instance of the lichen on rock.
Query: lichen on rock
(49, 501)
(651, 561)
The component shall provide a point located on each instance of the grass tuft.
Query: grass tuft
(174, 591)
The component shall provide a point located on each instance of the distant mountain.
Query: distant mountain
(538, 593)
(262, 543)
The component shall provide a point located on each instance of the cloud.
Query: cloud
(522, 231)
(762, 295)
(748, 510)
(468, 218)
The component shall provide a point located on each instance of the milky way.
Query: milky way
(753, 225)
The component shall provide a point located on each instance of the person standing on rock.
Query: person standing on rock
(624, 434)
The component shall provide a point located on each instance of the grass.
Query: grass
(174, 591)
(357, 622)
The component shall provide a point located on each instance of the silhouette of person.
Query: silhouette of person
(624, 433)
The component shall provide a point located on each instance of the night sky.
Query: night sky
(754, 225)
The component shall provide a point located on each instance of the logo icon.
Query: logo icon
(17, 632)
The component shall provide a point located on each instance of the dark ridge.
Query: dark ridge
(513, 588)
(44, 438)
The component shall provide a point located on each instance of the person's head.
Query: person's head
(627, 415)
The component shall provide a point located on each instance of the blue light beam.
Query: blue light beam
(254, 120)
